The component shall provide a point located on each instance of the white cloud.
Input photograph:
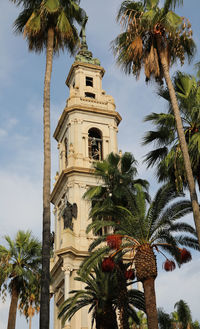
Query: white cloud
(3, 133)
(20, 204)
(7, 126)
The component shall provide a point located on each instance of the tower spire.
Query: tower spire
(84, 55)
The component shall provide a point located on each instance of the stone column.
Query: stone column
(112, 138)
(84, 318)
(79, 138)
(67, 270)
(56, 228)
(59, 164)
(56, 321)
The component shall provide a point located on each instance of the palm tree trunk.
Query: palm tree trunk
(198, 176)
(13, 308)
(45, 278)
(30, 321)
(150, 303)
(108, 319)
(122, 297)
(181, 135)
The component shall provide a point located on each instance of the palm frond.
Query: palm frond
(93, 260)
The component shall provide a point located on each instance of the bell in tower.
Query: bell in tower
(86, 132)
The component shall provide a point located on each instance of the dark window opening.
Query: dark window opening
(95, 144)
(89, 81)
(91, 95)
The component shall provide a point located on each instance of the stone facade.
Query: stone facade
(86, 132)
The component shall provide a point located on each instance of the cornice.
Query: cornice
(82, 108)
(70, 251)
(63, 178)
(92, 66)
(57, 266)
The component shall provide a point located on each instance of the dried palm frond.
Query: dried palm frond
(135, 48)
(152, 66)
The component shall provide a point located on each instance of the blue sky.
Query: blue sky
(21, 93)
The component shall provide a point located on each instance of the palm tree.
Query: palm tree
(174, 317)
(101, 294)
(117, 173)
(164, 320)
(180, 319)
(19, 262)
(155, 38)
(30, 298)
(48, 24)
(146, 231)
(167, 153)
(184, 314)
(195, 325)
(143, 321)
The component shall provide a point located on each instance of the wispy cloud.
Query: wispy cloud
(20, 204)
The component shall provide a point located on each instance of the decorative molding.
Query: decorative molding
(67, 269)
(62, 180)
(92, 100)
(73, 252)
(81, 65)
(84, 108)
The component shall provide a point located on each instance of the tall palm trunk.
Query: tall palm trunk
(150, 303)
(108, 320)
(30, 322)
(13, 307)
(181, 135)
(122, 297)
(198, 176)
(146, 271)
(45, 278)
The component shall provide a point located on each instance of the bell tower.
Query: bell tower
(86, 132)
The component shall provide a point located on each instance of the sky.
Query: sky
(21, 153)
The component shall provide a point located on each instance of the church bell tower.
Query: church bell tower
(86, 132)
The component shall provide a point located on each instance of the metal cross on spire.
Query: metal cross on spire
(84, 55)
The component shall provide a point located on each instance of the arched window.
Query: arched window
(95, 144)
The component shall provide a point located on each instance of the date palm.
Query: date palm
(20, 261)
(118, 176)
(146, 231)
(154, 39)
(49, 25)
(101, 295)
(167, 153)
